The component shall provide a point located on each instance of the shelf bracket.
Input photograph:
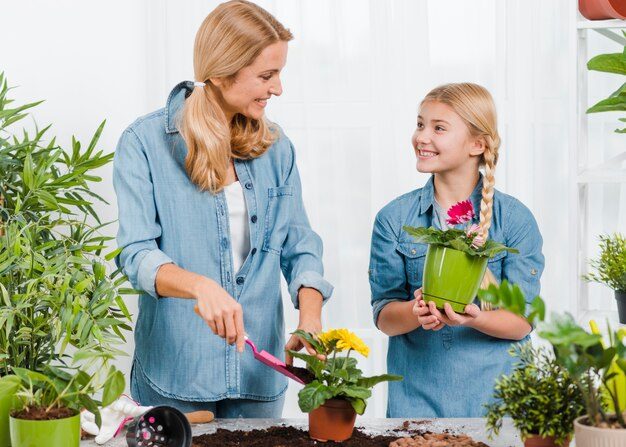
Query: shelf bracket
(620, 39)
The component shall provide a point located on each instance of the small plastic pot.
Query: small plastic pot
(158, 427)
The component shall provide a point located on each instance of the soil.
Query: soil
(283, 436)
(40, 413)
(302, 373)
(437, 440)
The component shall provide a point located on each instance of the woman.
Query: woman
(211, 211)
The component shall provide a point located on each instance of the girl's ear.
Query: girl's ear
(479, 146)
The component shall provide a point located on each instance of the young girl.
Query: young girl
(449, 360)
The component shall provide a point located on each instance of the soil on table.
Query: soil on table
(301, 373)
(40, 413)
(283, 436)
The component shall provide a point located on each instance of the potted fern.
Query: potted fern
(336, 390)
(610, 269)
(456, 259)
(60, 309)
(540, 397)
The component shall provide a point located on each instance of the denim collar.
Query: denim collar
(175, 102)
(427, 199)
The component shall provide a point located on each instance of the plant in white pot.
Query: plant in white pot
(610, 269)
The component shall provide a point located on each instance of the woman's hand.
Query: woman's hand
(221, 312)
(310, 301)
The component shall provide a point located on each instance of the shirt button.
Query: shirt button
(224, 243)
(240, 280)
(253, 219)
(413, 251)
(248, 185)
(533, 272)
(254, 251)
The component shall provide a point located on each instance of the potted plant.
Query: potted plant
(585, 358)
(337, 390)
(539, 396)
(456, 259)
(56, 295)
(50, 402)
(610, 269)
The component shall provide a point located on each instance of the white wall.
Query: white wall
(355, 74)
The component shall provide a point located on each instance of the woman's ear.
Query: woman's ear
(479, 146)
(218, 82)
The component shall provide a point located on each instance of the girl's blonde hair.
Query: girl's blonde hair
(474, 104)
(230, 38)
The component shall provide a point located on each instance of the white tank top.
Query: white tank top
(239, 226)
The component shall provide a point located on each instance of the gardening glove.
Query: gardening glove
(114, 417)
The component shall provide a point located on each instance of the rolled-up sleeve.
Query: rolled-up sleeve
(139, 229)
(526, 267)
(301, 255)
(386, 269)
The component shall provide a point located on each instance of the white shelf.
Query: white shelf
(601, 24)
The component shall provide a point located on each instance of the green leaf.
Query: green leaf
(313, 395)
(113, 388)
(369, 382)
(608, 63)
(358, 405)
(612, 104)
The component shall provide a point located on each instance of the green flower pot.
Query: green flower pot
(8, 387)
(452, 276)
(55, 433)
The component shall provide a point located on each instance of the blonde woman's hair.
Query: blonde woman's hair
(230, 38)
(474, 104)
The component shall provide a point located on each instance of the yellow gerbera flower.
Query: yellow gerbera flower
(344, 340)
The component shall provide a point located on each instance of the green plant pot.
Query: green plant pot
(8, 401)
(452, 276)
(55, 433)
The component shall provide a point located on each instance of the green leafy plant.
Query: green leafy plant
(71, 388)
(610, 267)
(61, 311)
(539, 395)
(468, 240)
(337, 376)
(611, 63)
(582, 354)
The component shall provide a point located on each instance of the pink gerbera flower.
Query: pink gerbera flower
(460, 213)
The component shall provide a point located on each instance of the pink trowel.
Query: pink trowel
(267, 358)
(272, 361)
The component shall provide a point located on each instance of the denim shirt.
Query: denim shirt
(165, 218)
(450, 372)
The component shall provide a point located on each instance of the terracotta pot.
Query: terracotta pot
(333, 421)
(540, 441)
(588, 436)
(602, 9)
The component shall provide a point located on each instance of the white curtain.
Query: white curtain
(356, 72)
